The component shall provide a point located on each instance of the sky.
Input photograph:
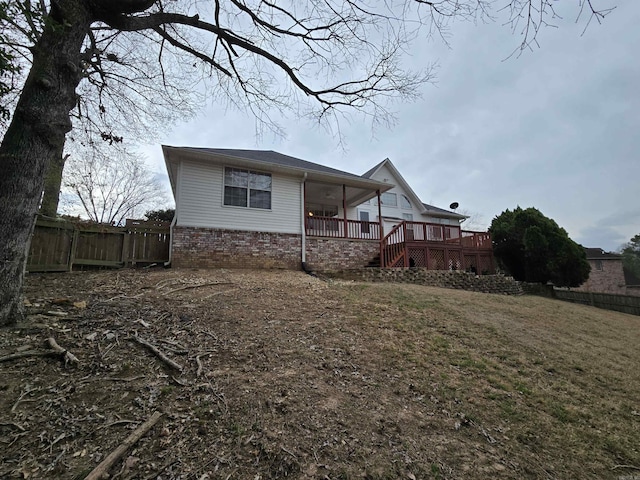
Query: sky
(556, 128)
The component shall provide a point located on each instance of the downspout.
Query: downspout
(173, 223)
(175, 214)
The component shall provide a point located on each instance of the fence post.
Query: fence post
(126, 247)
(72, 249)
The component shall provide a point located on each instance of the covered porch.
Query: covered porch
(330, 210)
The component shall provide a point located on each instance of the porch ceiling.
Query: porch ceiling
(331, 194)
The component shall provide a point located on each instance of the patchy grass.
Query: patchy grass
(312, 380)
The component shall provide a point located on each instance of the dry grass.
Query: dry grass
(314, 380)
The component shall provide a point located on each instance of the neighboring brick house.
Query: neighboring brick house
(607, 275)
(263, 209)
(632, 283)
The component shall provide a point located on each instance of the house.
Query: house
(263, 209)
(632, 283)
(606, 275)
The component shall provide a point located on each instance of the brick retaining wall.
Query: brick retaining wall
(434, 278)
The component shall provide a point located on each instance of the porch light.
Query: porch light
(311, 214)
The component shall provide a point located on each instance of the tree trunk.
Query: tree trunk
(52, 184)
(35, 138)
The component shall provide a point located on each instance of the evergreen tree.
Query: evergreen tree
(533, 248)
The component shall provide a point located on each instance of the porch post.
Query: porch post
(344, 210)
(380, 216)
(381, 233)
(303, 208)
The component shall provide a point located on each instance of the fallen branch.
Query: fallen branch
(632, 467)
(22, 395)
(158, 353)
(12, 424)
(199, 362)
(57, 351)
(199, 372)
(102, 469)
(67, 355)
(25, 354)
(122, 379)
(117, 422)
(197, 285)
(175, 347)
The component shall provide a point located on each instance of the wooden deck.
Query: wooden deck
(437, 247)
(415, 244)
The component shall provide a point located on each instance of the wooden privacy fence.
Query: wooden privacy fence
(60, 245)
(620, 303)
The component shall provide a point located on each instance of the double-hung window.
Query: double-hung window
(246, 188)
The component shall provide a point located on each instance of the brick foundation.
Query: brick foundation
(213, 248)
(340, 253)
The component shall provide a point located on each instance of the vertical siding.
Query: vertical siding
(200, 202)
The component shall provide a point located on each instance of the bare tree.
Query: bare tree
(315, 58)
(110, 189)
(474, 221)
(125, 94)
(9, 69)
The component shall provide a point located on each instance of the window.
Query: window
(408, 217)
(599, 265)
(404, 202)
(389, 199)
(364, 217)
(244, 188)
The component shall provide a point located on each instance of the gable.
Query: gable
(386, 172)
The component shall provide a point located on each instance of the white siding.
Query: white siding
(385, 175)
(200, 202)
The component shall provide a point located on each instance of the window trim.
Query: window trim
(386, 204)
(248, 188)
(364, 227)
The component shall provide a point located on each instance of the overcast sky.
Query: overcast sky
(557, 128)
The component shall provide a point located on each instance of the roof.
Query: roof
(600, 254)
(358, 189)
(372, 170)
(427, 209)
(430, 209)
(274, 158)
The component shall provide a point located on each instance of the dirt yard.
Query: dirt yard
(271, 375)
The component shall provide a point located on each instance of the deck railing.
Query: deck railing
(477, 240)
(432, 232)
(436, 246)
(339, 228)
